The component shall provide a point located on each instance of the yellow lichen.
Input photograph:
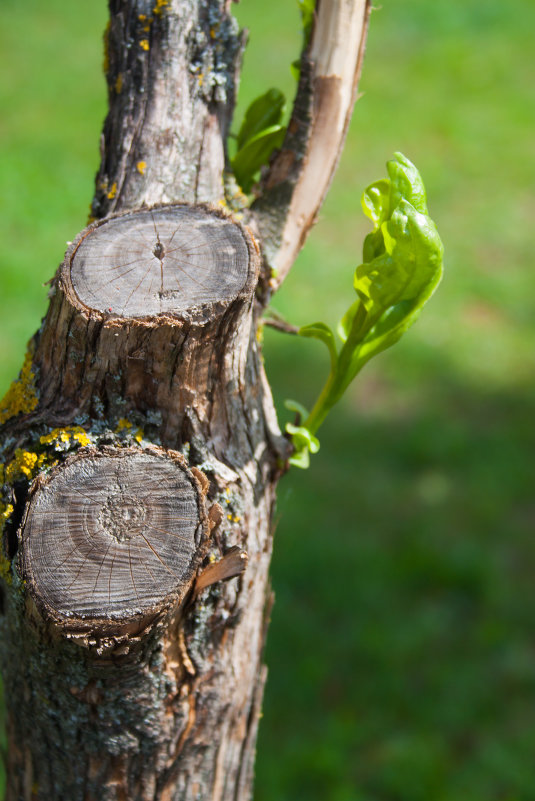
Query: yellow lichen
(106, 38)
(159, 7)
(125, 425)
(21, 397)
(6, 510)
(260, 333)
(24, 463)
(122, 425)
(66, 436)
(5, 569)
(119, 83)
(141, 166)
(146, 20)
(113, 191)
(144, 44)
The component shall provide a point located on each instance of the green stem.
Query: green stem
(340, 376)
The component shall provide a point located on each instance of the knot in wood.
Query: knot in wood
(122, 516)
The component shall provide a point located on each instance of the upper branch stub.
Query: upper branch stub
(169, 260)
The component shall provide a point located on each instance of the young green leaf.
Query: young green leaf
(401, 268)
(304, 444)
(264, 112)
(296, 407)
(255, 153)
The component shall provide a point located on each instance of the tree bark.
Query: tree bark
(140, 445)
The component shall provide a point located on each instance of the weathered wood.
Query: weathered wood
(177, 677)
(185, 357)
(164, 260)
(112, 536)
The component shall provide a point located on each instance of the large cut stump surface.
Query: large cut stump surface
(111, 537)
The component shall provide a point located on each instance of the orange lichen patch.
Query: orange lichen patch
(141, 166)
(113, 191)
(144, 44)
(21, 397)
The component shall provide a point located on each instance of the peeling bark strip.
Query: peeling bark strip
(112, 536)
(300, 175)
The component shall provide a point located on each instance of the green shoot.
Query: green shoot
(402, 266)
(261, 132)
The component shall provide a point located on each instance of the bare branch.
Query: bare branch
(300, 174)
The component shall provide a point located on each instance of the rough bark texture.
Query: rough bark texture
(171, 69)
(141, 451)
(187, 378)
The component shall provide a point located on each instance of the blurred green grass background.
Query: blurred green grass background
(401, 650)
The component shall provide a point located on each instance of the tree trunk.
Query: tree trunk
(140, 445)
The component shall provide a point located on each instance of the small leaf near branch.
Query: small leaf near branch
(306, 7)
(304, 444)
(261, 133)
(265, 111)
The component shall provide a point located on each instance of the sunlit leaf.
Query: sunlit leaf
(263, 113)
(255, 153)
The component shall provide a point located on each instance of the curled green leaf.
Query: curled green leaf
(304, 443)
(322, 332)
(296, 407)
